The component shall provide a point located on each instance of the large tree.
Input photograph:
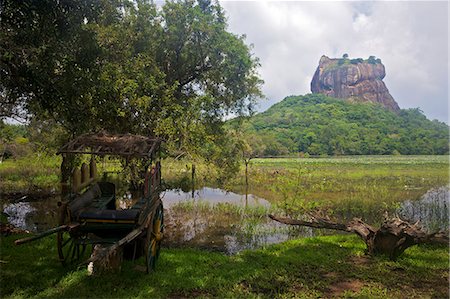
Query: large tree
(126, 66)
(47, 58)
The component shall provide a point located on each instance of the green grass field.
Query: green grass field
(319, 267)
(364, 184)
(30, 174)
(326, 181)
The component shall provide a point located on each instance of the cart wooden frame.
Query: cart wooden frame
(88, 216)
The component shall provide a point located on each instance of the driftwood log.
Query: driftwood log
(392, 238)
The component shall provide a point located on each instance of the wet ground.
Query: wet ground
(223, 221)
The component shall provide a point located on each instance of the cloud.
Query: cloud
(411, 38)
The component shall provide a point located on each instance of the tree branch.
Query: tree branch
(392, 238)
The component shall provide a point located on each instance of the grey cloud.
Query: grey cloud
(411, 38)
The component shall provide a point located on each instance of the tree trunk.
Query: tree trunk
(193, 180)
(246, 172)
(392, 238)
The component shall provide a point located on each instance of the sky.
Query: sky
(289, 37)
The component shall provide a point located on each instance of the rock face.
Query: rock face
(354, 79)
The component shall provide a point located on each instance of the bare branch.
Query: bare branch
(392, 238)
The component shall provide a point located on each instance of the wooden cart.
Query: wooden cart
(88, 214)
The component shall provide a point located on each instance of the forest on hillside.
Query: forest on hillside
(318, 125)
(313, 124)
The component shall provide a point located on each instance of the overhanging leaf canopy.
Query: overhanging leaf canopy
(102, 143)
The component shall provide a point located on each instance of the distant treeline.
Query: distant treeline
(320, 125)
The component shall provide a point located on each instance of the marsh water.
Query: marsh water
(215, 219)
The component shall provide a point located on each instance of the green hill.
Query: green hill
(318, 125)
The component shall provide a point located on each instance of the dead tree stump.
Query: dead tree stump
(392, 238)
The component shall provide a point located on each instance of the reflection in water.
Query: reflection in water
(228, 222)
(224, 228)
(17, 215)
(231, 224)
(224, 221)
(212, 196)
(431, 210)
(34, 216)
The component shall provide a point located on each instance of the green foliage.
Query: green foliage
(306, 268)
(126, 66)
(9, 132)
(346, 61)
(372, 60)
(46, 135)
(41, 136)
(320, 125)
(249, 145)
(30, 173)
(356, 61)
(14, 141)
(48, 58)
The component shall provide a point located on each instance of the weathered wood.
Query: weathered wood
(109, 258)
(392, 238)
(105, 258)
(316, 223)
(102, 143)
(84, 200)
(41, 235)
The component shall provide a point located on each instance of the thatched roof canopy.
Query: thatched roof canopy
(102, 143)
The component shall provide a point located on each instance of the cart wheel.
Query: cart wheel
(154, 237)
(71, 245)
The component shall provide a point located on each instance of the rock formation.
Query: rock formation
(355, 79)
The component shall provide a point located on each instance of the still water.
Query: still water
(432, 210)
(212, 196)
(34, 216)
(223, 221)
(218, 220)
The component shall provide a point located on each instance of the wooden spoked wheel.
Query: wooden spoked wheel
(71, 244)
(153, 239)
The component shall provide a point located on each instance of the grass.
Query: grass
(328, 266)
(29, 174)
(367, 185)
(307, 268)
(40, 172)
(222, 208)
(382, 179)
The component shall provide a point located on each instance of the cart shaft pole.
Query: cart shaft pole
(41, 235)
